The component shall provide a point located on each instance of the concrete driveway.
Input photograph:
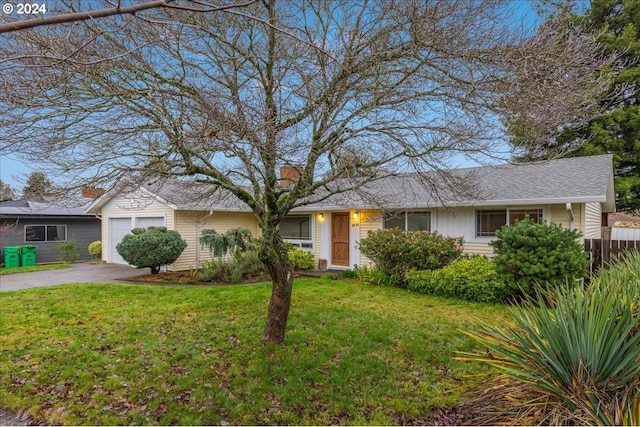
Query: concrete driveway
(82, 272)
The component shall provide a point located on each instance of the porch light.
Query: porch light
(355, 215)
(321, 215)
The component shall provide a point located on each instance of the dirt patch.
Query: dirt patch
(186, 278)
(8, 418)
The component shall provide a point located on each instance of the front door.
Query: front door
(340, 238)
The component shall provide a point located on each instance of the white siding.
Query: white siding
(371, 220)
(137, 206)
(592, 221)
(191, 223)
(560, 216)
(625, 233)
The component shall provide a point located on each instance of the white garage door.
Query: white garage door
(118, 228)
(150, 221)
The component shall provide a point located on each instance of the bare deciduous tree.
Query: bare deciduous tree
(227, 99)
(42, 18)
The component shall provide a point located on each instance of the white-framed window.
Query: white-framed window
(408, 220)
(488, 221)
(297, 229)
(45, 233)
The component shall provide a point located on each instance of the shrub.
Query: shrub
(576, 350)
(473, 279)
(67, 251)
(395, 252)
(235, 240)
(95, 249)
(151, 247)
(301, 259)
(349, 274)
(233, 271)
(530, 253)
(375, 276)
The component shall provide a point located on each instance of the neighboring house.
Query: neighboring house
(624, 226)
(572, 192)
(44, 225)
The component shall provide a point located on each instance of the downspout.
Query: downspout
(571, 220)
(198, 234)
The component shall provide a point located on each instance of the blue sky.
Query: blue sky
(14, 172)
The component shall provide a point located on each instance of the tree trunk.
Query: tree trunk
(274, 255)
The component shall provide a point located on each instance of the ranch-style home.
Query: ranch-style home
(472, 203)
(47, 224)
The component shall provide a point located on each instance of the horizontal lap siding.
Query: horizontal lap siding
(82, 231)
(190, 225)
(560, 216)
(592, 221)
(135, 205)
(371, 220)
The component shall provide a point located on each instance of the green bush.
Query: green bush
(68, 251)
(235, 240)
(233, 270)
(395, 252)
(529, 254)
(349, 274)
(575, 350)
(472, 279)
(376, 276)
(95, 249)
(301, 259)
(151, 247)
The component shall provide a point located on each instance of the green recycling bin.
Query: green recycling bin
(29, 255)
(11, 256)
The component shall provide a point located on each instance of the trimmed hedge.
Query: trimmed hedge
(472, 279)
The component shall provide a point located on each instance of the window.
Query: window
(490, 221)
(296, 229)
(45, 233)
(408, 220)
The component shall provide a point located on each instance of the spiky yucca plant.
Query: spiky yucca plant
(575, 351)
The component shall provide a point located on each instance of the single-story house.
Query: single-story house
(573, 192)
(44, 225)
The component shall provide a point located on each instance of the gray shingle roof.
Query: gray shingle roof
(577, 180)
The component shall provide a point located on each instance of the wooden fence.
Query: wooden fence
(601, 252)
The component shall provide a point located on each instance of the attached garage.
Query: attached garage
(120, 227)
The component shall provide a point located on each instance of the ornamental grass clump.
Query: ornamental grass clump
(571, 356)
(395, 252)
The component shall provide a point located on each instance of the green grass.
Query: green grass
(32, 268)
(122, 354)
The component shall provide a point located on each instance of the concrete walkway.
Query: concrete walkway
(82, 272)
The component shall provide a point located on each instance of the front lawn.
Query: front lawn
(138, 354)
(32, 268)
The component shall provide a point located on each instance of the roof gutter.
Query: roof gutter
(572, 225)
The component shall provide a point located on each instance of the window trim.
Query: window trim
(507, 212)
(306, 244)
(406, 213)
(24, 233)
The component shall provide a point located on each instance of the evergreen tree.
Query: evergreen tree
(618, 131)
(6, 192)
(37, 187)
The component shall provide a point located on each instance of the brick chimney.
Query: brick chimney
(289, 175)
(92, 192)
